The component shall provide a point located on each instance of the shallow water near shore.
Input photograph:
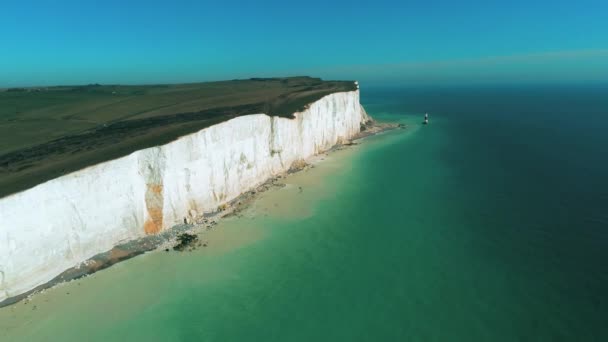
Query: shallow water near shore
(489, 224)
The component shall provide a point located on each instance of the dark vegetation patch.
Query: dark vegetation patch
(184, 241)
(48, 132)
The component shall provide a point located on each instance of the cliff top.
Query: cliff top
(46, 132)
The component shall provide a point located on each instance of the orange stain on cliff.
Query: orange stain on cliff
(155, 188)
(154, 205)
(155, 223)
(150, 227)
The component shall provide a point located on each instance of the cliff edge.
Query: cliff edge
(65, 221)
(49, 132)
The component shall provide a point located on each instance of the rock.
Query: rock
(297, 165)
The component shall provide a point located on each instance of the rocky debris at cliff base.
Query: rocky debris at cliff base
(378, 127)
(184, 241)
(297, 165)
(367, 124)
(222, 207)
(242, 202)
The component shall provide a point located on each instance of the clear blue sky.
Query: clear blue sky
(68, 42)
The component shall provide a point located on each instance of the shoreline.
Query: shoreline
(205, 222)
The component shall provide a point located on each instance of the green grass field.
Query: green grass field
(47, 132)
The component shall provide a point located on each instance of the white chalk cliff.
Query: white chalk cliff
(65, 221)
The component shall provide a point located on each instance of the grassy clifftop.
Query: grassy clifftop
(47, 132)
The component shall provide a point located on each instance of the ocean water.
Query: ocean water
(489, 224)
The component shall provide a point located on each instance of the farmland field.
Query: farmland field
(47, 132)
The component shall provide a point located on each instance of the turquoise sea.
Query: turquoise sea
(489, 224)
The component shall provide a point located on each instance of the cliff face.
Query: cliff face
(63, 222)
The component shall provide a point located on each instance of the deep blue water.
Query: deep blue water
(527, 190)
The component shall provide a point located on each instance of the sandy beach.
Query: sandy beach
(205, 224)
